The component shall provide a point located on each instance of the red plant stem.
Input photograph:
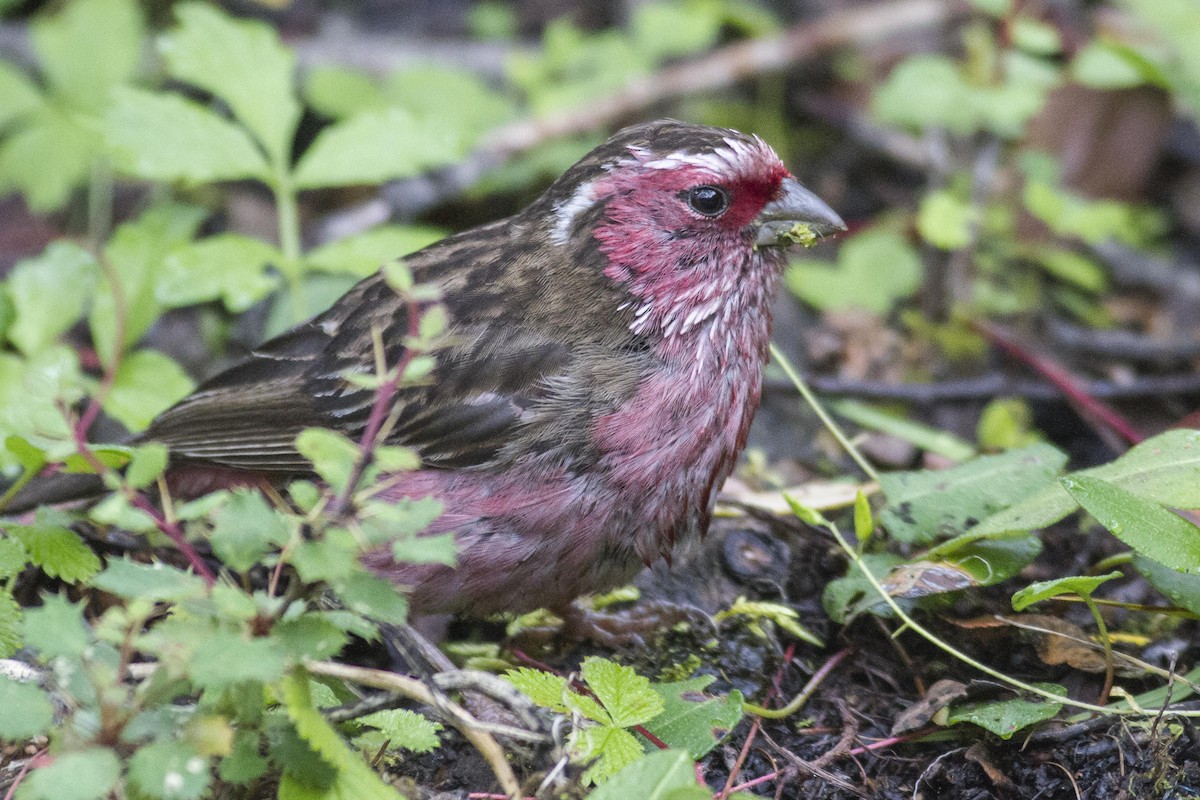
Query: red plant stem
(1062, 379)
(744, 753)
(38, 759)
(380, 408)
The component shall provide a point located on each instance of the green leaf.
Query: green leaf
(422, 90)
(243, 63)
(13, 556)
(226, 658)
(1069, 266)
(406, 729)
(543, 688)
(851, 594)
(652, 777)
(340, 92)
(18, 94)
(1182, 590)
(309, 636)
(692, 720)
(627, 696)
(439, 549)
(164, 137)
(354, 778)
(332, 454)
(363, 254)
(371, 148)
(88, 48)
(1106, 65)
(227, 267)
(59, 552)
(10, 625)
(613, 748)
(857, 281)
(246, 528)
(148, 462)
(374, 597)
(135, 254)
(1145, 526)
(931, 504)
(47, 158)
(989, 560)
(923, 436)
(27, 712)
(147, 383)
(1006, 717)
(946, 221)
(80, 775)
(170, 770)
(1045, 590)
(50, 292)
(1164, 469)
(1035, 36)
(32, 393)
(244, 764)
(156, 581)
(332, 558)
(56, 628)
(693, 27)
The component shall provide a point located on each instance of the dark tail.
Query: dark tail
(61, 487)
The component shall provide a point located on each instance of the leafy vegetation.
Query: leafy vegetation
(163, 678)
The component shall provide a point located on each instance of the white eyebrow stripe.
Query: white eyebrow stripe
(565, 213)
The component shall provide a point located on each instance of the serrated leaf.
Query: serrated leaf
(930, 504)
(56, 628)
(10, 625)
(242, 62)
(652, 777)
(543, 688)
(146, 383)
(245, 763)
(332, 558)
(47, 157)
(365, 253)
(27, 712)
(165, 137)
(692, 720)
(228, 267)
(59, 552)
(226, 658)
(148, 462)
(614, 748)
(309, 636)
(332, 454)
(627, 696)
(406, 729)
(246, 528)
(170, 770)
(156, 581)
(1164, 469)
(13, 557)
(80, 775)
(1145, 526)
(88, 48)
(372, 147)
(373, 597)
(1006, 717)
(354, 778)
(50, 292)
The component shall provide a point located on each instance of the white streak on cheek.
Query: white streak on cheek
(565, 213)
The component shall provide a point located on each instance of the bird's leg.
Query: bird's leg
(625, 628)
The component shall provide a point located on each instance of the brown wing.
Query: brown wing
(520, 371)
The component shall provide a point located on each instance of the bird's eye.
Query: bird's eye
(708, 200)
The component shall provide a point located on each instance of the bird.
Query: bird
(601, 367)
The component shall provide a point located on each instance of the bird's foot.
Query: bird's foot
(625, 628)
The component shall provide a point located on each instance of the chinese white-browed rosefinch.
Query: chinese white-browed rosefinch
(604, 361)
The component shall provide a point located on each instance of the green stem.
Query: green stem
(826, 420)
(288, 212)
(1104, 640)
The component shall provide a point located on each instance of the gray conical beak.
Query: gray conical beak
(796, 214)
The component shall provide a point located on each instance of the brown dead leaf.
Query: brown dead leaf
(940, 695)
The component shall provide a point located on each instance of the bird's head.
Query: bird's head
(683, 216)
